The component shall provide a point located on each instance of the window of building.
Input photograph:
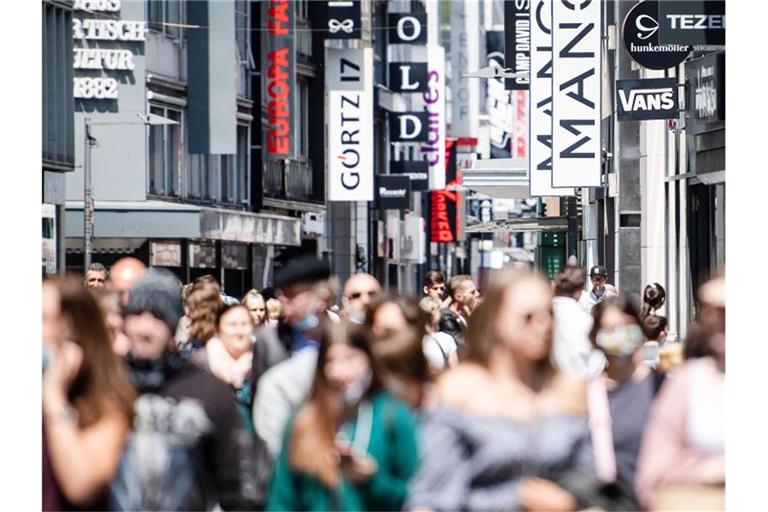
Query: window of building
(165, 15)
(302, 121)
(243, 164)
(242, 32)
(165, 150)
(197, 176)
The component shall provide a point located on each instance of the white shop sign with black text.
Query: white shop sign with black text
(576, 94)
(349, 78)
(540, 108)
(639, 100)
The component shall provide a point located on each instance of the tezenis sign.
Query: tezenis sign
(445, 205)
(279, 71)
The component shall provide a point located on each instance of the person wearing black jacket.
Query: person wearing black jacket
(464, 295)
(185, 450)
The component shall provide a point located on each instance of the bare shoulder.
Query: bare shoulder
(457, 386)
(571, 392)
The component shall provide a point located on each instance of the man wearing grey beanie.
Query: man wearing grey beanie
(185, 449)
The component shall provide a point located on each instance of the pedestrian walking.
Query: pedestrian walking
(87, 399)
(682, 456)
(464, 294)
(620, 398)
(351, 446)
(435, 287)
(359, 291)
(654, 297)
(274, 311)
(96, 276)
(256, 305)
(598, 276)
(440, 348)
(183, 452)
(572, 351)
(506, 425)
(404, 369)
(203, 300)
(124, 275)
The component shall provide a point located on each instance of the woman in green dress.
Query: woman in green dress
(351, 446)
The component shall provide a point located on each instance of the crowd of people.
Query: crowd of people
(528, 395)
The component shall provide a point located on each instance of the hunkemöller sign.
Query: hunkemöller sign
(279, 72)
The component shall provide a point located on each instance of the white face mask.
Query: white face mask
(620, 342)
(352, 395)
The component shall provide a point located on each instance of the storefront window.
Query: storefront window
(165, 16)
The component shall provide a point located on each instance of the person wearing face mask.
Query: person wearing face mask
(506, 427)
(359, 291)
(620, 399)
(599, 292)
(183, 452)
(351, 446)
(682, 457)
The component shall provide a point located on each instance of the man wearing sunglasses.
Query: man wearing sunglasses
(359, 291)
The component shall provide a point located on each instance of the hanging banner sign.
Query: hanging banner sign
(640, 33)
(705, 108)
(654, 98)
(408, 126)
(349, 78)
(408, 76)
(540, 109)
(279, 72)
(417, 172)
(344, 20)
(393, 192)
(406, 28)
(576, 94)
(433, 151)
(498, 100)
(517, 42)
(692, 22)
(465, 56)
(445, 205)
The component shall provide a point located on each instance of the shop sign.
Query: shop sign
(465, 56)
(417, 172)
(343, 20)
(393, 192)
(540, 106)
(640, 33)
(499, 102)
(433, 149)
(692, 22)
(654, 98)
(408, 76)
(407, 28)
(706, 92)
(165, 254)
(408, 126)
(445, 205)
(90, 57)
(234, 256)
(349, 77)
(279, 72)
(576, 94)
(517, 42)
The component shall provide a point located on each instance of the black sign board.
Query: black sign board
(692, 22)
(408, 76)
(641, 38)
(417, 172)
(406, 28)
(654, 98)
(517, 42)
(705, 108)
(344, 20)
(408, 127)
(393, 192)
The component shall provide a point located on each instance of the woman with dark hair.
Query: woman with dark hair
(507, 425)
(390, 313)
(654, 297)
(404, 368)
(229, 356)
(351, 446)
(87, 399)
(620, 398)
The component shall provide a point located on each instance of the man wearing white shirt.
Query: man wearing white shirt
(599, 292)
(572, 351)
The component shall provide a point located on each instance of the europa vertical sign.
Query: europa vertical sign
(349, 78)
(279, 72)
(517, 41)
(576, 94)
(540, 110)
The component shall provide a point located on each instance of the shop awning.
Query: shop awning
(520, 225)
(502, 178)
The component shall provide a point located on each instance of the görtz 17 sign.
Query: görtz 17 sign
(349, 78)
(93, 58)
(279, 72)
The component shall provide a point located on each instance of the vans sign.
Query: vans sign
(639, 100)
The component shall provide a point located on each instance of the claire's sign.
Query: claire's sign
(279, 72)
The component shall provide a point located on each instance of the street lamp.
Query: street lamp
(106, 119)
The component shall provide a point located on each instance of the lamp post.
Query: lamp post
(90, 141)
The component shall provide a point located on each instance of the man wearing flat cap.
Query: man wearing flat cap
(599, 292)
(305, 289)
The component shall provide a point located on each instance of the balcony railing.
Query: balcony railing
(288, 179)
